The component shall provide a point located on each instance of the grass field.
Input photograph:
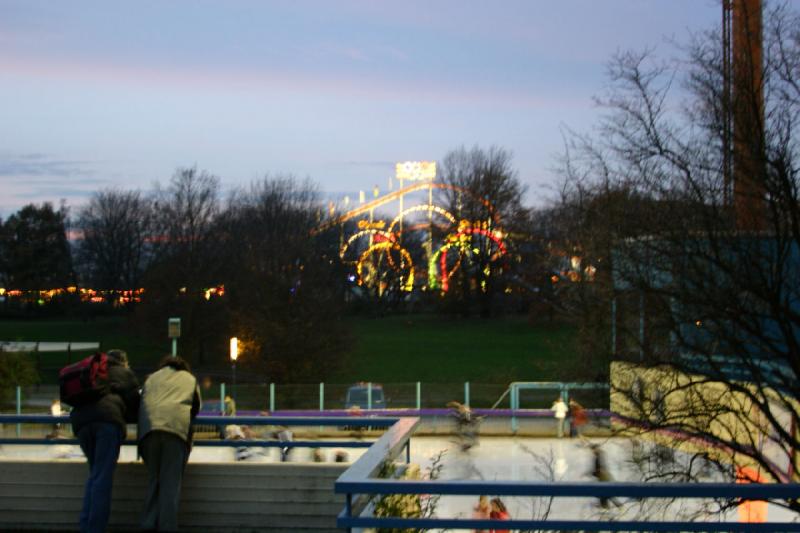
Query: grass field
(396, 349)
(435, 349)
(110, 332)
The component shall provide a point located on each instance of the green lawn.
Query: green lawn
(111, 332)
(397, 349)
(434, 349)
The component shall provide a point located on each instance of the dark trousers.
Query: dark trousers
(100, 442)
(165, 456)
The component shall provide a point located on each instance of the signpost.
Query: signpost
(173, 332)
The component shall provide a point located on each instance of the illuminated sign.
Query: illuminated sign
(378, 224)
(416, 170)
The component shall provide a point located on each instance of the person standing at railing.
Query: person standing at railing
(56, 410)
(230, 406)
(170, 401)
(577, 418)
(560, 410)
(100, 428)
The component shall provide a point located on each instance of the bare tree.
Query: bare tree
(115, 239)
(485, 194)
(186, 262)
(711, 274)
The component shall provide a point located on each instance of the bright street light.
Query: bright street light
(234, 349)
(234, 356)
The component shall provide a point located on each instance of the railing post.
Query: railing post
(408, 451)
(271, 398)
(348, 508)
(613, 327)
(222, 399)
(419, 395)
(641, 326)
(466, 393)
(322, 396)
(514, 400)
(19, 409)
(369, 395)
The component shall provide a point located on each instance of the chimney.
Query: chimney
(747, 104)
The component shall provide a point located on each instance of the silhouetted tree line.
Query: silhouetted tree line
(284, 283)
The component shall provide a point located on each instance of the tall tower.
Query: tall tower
(743, 71)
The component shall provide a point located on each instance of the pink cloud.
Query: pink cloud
(292, 81)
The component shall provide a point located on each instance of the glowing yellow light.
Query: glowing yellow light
(424, 207)
(366, 224)
(406, 284)
(373, 232)
(207, 294)
(234, 349)
(416, 170)
(2, 291)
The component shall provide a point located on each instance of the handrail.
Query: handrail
(565, 489)
(222, 421)
(564, 525)
(384, 449)
(358, 485)
(241, 420)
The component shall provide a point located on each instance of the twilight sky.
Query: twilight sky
(97, 94)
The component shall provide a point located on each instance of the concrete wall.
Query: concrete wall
(241, 497)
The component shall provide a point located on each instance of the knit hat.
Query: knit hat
(118, 356)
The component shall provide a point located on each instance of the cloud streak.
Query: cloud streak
(38, 164)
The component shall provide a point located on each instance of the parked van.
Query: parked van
(357, 397)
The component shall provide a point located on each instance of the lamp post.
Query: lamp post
(234, 356)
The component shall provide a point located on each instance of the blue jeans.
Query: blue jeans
(100, 442)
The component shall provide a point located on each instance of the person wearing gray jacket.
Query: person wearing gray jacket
(170, 402)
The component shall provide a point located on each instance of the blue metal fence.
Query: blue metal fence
(221, 421)
(359, 483)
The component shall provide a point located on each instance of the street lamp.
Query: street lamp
(234, 356)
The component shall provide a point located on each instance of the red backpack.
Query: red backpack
(84, 382)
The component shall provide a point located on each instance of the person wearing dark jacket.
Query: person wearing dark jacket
(100, 428)
(170, 401)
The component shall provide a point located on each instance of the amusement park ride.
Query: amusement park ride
(424, 245)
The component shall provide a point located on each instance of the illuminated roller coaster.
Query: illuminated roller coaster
(382, 252)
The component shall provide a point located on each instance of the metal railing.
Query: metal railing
(282, 397)
(221, 421)
(359, 485)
